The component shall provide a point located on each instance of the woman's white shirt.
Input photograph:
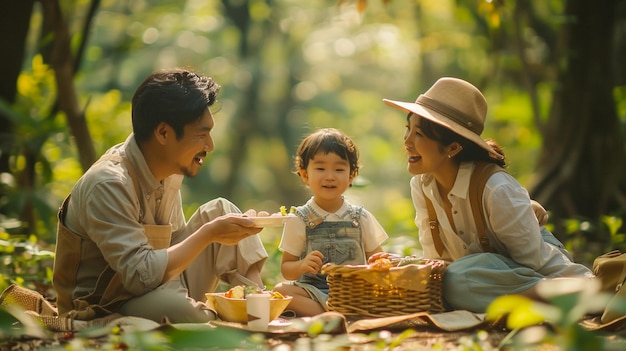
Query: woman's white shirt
(510, 223)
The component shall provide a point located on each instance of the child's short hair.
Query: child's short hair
(327, 140)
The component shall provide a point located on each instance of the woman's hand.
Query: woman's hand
(540, 212)
(380, 255)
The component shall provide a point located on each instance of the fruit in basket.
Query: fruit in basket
(381, 264)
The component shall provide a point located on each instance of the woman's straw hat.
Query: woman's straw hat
(454, 104)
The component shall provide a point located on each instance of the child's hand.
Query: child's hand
(540, 212)
(312, 263)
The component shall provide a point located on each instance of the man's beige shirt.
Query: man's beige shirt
(105, 211)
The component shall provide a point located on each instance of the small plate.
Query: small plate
(271, 221)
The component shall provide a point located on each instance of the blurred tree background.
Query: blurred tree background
(553, 73)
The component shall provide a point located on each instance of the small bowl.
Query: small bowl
(234, 310)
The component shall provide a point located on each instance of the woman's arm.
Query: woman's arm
(511, 219)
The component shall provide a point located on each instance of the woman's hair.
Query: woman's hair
(327, 140)
(176, 96)
(471, 152)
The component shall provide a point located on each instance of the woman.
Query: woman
(444, 146)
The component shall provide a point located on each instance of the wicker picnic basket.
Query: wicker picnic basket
(361, 291)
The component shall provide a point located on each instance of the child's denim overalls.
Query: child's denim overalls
(339, 242)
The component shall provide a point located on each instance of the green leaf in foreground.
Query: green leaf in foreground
(219, 338)
(520, 311)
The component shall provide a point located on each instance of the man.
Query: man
(123, 245)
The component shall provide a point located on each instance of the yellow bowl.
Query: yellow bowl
(234, 310)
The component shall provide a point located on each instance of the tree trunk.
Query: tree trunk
(16, 17)
(14, 24)
(62, 61)
(581, 163)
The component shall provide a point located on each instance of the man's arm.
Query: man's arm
(227, 230)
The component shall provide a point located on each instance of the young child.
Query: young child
(329, 228)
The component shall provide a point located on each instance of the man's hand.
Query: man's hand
(228, 229)
(231, 228)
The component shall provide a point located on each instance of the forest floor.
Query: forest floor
(416, 341)
(417, 338)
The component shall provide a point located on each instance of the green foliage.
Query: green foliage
(17, 325)
(569, 301)
(335, 70)
(313, 64)
(222, 338)
(586, 239)
(24, 262)
(614, 224)
(36, 126)
(477, 342)
(519, 311)
(394, 342)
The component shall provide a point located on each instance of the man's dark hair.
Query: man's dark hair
(174, 96)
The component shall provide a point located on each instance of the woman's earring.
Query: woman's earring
(449, 156)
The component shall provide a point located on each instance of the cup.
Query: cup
(258, 308)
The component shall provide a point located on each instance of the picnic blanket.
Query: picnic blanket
(37, 307)
(447, 321)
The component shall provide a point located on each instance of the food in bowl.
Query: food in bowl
(237, 292)
(232, 308)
